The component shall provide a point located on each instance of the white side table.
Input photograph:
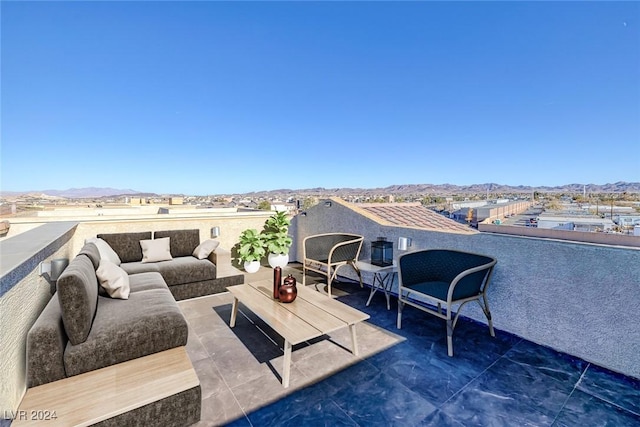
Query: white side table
(382, 278)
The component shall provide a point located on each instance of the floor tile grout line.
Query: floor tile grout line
(478, 376)
(344, 412)
(575, 386)
(601, 398)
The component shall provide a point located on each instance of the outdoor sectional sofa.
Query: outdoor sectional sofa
(84, 329)
(186, 276)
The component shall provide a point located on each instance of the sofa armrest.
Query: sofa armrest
(46, 343)
(220, 257)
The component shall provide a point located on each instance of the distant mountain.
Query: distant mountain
(74, 193)
(399, 189)
(82, 193)
(443, 189)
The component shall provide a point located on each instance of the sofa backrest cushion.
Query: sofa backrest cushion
(78, 298)
(181, 242)
(105, 250)
(126, 245)
(92, 251)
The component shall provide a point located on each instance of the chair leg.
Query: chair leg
(330, 278)
(450, 337)
(355, 267)
(399, 319)
(487, 313)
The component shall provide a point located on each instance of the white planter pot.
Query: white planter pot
(278, 260)
(251, 266)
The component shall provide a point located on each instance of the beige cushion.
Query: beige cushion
(113, 279)
(205, 248)
(105, 250)
(155, 250)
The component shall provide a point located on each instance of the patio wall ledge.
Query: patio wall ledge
(23, 295)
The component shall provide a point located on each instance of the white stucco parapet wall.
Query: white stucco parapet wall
(23, 295)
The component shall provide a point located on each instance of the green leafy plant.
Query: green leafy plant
(276, 239)
(251, 245)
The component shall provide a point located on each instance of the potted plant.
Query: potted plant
(251, 249)
(276, 239)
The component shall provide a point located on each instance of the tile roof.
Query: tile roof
(414, 215)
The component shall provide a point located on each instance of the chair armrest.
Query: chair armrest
(346, 251)
(471, 281)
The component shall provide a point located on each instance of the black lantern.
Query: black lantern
(381, 252)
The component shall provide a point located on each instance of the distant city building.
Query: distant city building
(627, 220)
(575, 223)
(481, 210)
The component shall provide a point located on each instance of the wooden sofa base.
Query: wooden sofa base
(159, 389)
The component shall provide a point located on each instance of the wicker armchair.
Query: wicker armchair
(445, 278)
(326, 253)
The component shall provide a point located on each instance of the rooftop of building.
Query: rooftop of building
(412, 215)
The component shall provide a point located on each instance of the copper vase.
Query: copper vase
(288, 291)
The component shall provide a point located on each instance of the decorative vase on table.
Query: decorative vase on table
(288, 291)
(278, 260)
(251, 266)
(277, 281)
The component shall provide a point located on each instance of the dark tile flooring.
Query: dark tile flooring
(501, 381)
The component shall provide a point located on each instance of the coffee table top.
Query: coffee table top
(312, 314)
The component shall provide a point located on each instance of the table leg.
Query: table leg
(354, 339)
(374, 288)
(384, 282)
(234, 313)
(286, 369)
(387, 288)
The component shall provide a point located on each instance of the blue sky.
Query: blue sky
(224, 97)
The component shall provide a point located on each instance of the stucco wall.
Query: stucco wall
(231, 225)
(578, 298)
(21, 302)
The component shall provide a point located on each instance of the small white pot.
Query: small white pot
(278, 260)
(251, 266)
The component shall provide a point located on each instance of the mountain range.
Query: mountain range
(403, 189)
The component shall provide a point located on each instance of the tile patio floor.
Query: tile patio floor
(401, 377)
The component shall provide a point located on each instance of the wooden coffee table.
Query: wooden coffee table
(311, 315)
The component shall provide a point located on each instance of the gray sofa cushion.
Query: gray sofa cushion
(78, 296)
(140, 267)
(145, 281)
(181, 242)
(148, 322)
(186, 269)
(126, 245)
(91, 250)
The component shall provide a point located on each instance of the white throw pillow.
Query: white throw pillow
(113, 279)
(205, 248)
(156, 250)
(105, 250)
